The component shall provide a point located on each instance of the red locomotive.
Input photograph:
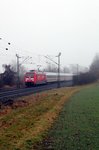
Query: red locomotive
(33, 78)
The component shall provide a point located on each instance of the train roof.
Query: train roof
(50, 73)
(35, 71)
(56, 73)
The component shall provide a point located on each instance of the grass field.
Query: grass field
(28, 119)
(60, 119)
(77, 127)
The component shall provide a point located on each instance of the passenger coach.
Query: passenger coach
(34, 77)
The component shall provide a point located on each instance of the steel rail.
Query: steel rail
(6, 97)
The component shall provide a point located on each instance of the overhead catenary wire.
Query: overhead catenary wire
(17, 50)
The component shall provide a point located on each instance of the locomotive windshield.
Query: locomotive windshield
(30, 75)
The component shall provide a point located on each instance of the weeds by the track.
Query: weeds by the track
(27, 120)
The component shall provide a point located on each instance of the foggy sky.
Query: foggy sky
(47, 27)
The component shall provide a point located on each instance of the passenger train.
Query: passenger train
(34, 77)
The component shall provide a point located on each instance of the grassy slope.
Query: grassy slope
(77, 127)
(27, 120)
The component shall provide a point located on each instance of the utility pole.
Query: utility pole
(18, 78)
(58, 64)
(77, 74)
(18, 68)
(58, 79)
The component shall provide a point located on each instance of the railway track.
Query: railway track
(7, 97)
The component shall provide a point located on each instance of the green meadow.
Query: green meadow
(77, 127)
(60, 119)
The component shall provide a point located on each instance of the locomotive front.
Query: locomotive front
(29, 79)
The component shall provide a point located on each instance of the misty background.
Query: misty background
(38, 28)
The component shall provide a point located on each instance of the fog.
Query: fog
(37, 28)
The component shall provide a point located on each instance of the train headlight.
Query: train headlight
(32, 79)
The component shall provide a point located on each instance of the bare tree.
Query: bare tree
(66, 70)
(22, 70)
(8, 76)
(51, 68)
(94, 68)
(74, 68)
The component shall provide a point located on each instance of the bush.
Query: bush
(84, 78)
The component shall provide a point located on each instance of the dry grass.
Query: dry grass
(28, 119)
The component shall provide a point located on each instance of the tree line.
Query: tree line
(9, 76)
